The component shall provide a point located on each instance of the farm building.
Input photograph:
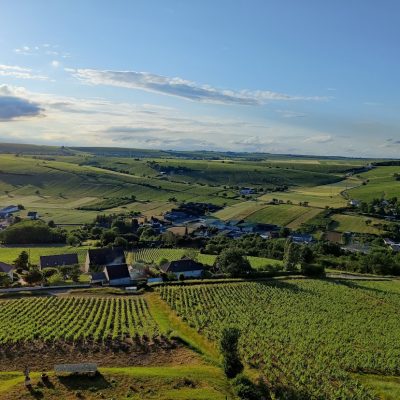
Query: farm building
(97, 259)
(7, 269)
(58, 260)
(247, 191)
(186, 266)
(304, 238)
(98, 278)
(7, 211)
(33, 215)
(117, 275)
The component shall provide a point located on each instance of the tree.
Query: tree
(232, 262)
(5, 280)
(73, 240)
(51, 224)
(33, 276)
(229, 350)
(120, 242)
(181, 277)
(291, 256)
(21, 262)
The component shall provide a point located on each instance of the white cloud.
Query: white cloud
(55, 63)
(183, 88)
(20, 72)
(319, 139)
(45, 49)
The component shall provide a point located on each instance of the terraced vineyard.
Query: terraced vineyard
(75, 318)
(154, 255)
(306, 336)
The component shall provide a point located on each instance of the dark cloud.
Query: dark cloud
(12, 108)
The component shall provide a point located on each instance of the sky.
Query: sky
(276, 76)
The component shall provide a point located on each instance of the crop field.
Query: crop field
(75, 318)
(382, 184)
(10, 253)
(357, 223)
(154, 255)
(306, 336)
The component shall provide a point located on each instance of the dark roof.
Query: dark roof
(107, 256)
(98, 276)
(6, 268)
(118, 271)
(185, 264)
(59, 260)
(32, 213)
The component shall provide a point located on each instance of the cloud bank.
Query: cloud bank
(182, 88)
(20, 72)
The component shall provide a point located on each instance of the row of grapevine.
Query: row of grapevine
(306, 335)
(75, 318)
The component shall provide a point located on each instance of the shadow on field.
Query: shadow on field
(355, 285)
(84, 382)
(285, 285)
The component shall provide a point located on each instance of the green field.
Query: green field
(75, 318)
(306, 336)
(10, 253)
(357, 223)
(381, 184)
(154, 255)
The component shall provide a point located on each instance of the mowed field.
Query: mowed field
(357, 223)
(382, 184)
(9, 253)
(288, 215)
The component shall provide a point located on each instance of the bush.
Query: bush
(229, 350)
(245, 389)
(316, 270)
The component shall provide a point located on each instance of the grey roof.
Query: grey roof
(6, 268)
(98, 276)
(185, 264)
(58, 260)
(107, 256)
(119, 271)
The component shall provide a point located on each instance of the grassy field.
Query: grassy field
(195, 382)
(382, 184)
(306, 336)
(154, 255)
(10, 253)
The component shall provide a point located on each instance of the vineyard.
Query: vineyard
(305, 336)
(155, 255)
(75, 318)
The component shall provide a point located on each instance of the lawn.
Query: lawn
(357, 223)
(10, 253)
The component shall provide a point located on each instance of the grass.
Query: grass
(196, 382)
(10, 253)
(357, 223)
(385, 387)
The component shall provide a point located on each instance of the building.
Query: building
(247, 190)
(117, 274)
(7, 211)
(97, 259)
(301, 238)
(58, 260)
(98, 278)
(186, 266)
(33, 215)
(7, 269)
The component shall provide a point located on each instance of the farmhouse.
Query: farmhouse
(97, 259)
(58, 260)
(186, 266)
(117, 275)
(98, 278)
(33, 215)
(7, 211)
(303, 238)
(7, 269)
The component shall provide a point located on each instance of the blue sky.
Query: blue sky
(298, 76)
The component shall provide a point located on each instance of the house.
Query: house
(186, 266)
(7, 269)
(7, 211)
(98, 278)
(33, 215)
(58, 260)
(97, 259)
(354, 203)
(302, 238)
(247, 191)
(117, 274)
